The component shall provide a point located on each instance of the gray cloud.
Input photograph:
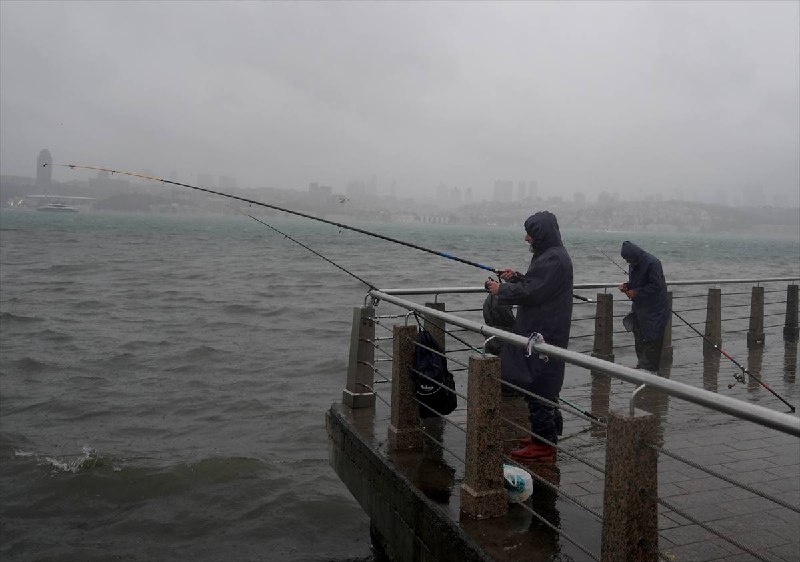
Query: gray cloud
(581, 96)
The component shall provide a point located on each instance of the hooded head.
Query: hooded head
(542, 227)
(630, 252)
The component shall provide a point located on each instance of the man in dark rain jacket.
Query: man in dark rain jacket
(647, 290)
(543, 296)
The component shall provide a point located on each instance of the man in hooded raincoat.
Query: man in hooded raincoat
(543, 296)
(647, 289)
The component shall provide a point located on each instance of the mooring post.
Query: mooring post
(630, 498)
(404, 425)
(713, 320)
(482, 493)
(790, 328)
(755, 334)
(604, 349)
(360, 372)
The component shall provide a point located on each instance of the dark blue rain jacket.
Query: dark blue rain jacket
(544, 304)
(650, 305)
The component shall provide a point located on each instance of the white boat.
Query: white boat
(57, 208)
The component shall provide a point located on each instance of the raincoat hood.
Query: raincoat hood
(631, 252)
(543, 229)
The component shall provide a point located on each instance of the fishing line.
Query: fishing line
(718, 348)
(299, 214)
(367, 283)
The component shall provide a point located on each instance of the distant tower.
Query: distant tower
(44, 169)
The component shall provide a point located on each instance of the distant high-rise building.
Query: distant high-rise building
(441, 192)
(533, 189)
(356, 189)
(468, 195)
(521, 191)
(44, 169)
(455, 195)
(318, 190)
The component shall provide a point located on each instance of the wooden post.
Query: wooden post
(360, 374)
(404, 425)
(630, 498)
(755, 334)
(482, 493)
(790, 328)
(713, 320)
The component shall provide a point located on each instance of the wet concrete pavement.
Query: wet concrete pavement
(765, 461)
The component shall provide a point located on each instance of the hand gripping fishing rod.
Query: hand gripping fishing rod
(297, 213)
(715, 346)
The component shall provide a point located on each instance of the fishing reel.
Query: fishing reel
(739, 378)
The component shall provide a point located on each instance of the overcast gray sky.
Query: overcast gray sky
(579, 96)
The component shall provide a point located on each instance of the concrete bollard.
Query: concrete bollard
(360, 374)
(404, 425)
(791, 331)
(755, 334)
(435, 326)
(482, 493)
(604, 328)
(604, 349)
(434, 426)
(713, 320)
(630, 506)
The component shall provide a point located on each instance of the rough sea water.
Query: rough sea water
(164, 380)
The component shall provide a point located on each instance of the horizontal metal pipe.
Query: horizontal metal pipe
(580, 286)
(758, 414)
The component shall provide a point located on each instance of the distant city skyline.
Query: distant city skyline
(643, 99)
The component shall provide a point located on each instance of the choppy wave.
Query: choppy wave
(198, 361)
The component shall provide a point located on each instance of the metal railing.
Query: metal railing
(764, 417)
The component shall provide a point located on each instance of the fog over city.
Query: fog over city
(687, 100)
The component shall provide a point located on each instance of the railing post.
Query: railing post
(666, 350)
(404, 425)
(790, 328)
(360, 373)
(755, 334)
(604, 328)
(713, 320)
(436, 326)
(434, 425)
(482, 493)
(630, 506)
(603, 349)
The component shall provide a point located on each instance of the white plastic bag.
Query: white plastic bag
(518, 483)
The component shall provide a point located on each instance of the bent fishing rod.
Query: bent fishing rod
(371, 286)
(297, 213)
(289, 211)
(717, 347)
